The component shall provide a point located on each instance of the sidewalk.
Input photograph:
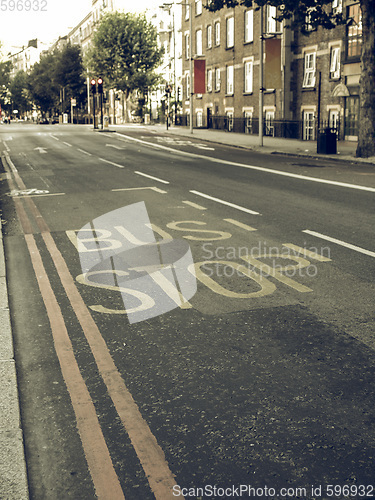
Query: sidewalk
(13, 477)
(345, 149)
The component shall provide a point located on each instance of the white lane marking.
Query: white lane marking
(113, 146)
(39, 195)
(41, 150)
(223, 202)
(240, 224)
(151, 177)
(251, 167)
(307, 253)
(84, 152)
(67, 144)
(340, 242)
(6, 146)
(54, 137)
(111, 163)
(194, 205)
(139, 188)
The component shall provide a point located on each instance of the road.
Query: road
(263, 378)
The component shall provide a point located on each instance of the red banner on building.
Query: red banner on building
(199, 76)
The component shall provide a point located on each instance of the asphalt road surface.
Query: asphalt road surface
(252, 374)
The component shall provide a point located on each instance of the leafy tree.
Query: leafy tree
(5, 69)
(320, 14)
(18, 88)
(125, 52)
(68, 73)
(42, 87)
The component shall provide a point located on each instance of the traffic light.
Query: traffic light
(100, 85)
(93, 85)
(178, 94)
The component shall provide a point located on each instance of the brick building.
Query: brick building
(307, 78)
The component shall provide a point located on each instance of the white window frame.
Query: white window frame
(198, 42)
(209, 36)
(230, 80)
(249, 26)
(187, 85)
(217, 33)
(271, 21)
(229, 113)
(230, 32)
(334, 67)
(187, 11)
(308, 125)
(337, 6)
(209, 80)
(309, 69)
(198, 7)
(248, 76)
(269, 117)
(199, 117)
(217, 79)
(187, 45)
(248, 120)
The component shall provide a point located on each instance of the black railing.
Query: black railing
(288, 129)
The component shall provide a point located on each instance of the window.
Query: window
(187, 11)
(230, 78)
(199, 118)
(269, 128)
(309, 70)
(334, 119)
(187, 46)
(248, 67)
(209, 36)
(248, 115)
(217, 80)
(198, 43)
(229, 120)
(308, 25)
(187, 86)
(209, 80)
(249, 26)
(354, 31)
(271, 21)
(198, 7)
(230, 32)
(217, 33)
(334, 69)
(308, 125)
(337, 6)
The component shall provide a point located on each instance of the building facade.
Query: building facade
(309, 81)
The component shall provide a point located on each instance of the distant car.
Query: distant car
(44, 121)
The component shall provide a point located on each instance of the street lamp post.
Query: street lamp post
(191, 64)
(261, 89)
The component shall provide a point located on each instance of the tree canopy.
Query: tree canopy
(125, 52)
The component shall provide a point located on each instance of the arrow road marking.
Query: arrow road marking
(41, 150)
(113, 146)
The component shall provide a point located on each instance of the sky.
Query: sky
(51, 19)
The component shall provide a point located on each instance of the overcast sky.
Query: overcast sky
(56, 19)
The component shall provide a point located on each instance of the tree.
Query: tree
(319, 15)
(125, 52)
(5, 69)
(19, 92)
(68, 73)
(42, 87)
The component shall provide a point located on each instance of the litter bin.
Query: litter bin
(327, 142)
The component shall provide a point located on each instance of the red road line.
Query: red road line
(149, 452)
(104, 477)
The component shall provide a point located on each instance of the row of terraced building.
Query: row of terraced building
(309, 81)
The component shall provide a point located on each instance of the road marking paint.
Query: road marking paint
(113, 146)
(111, 163)
(149, 452)
(223, 202)
(54, 137)
(84, 152)
(240, 224)
(39, 195)
(151, 177)
(139, 188)
(194, 205)
(106, 482)
(251, 167)
(6, 146)
(41, 150)
(340, 242)
(67, 144)
(271, 271)
(307, 253)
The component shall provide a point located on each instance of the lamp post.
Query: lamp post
(168, 6)
(261, 89)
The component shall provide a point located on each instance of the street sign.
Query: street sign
(73, 102)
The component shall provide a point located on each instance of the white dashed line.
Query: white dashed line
(223, 202)
(340, 242)
(151, 177)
